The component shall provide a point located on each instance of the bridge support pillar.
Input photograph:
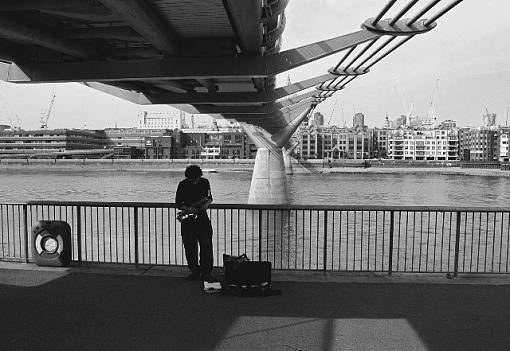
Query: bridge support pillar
(287, 161)
(268, 182)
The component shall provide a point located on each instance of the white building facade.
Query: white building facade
(434, 145)
(504, 140)
(170, 120)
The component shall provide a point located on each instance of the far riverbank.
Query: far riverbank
(121, 165)
(228, 165)
(418, 171)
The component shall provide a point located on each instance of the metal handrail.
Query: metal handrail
(362, 238)
(243, 206)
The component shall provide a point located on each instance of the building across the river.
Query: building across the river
(50, 140)
(478, 144)
(334, 142)
(219, 143)
(197, 143)
(162, 121)
(432, 144)
(155, 138)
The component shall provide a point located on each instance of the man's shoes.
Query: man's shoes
(193, 276)
(207, 277)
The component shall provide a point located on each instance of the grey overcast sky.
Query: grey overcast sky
(466, 56)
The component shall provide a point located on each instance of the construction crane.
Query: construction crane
(407, 113)
(45, 116)
(10, 113)
(489, 119)
(332, 110)
(431, 118)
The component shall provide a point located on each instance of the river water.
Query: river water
(427, 189)
(355, 240)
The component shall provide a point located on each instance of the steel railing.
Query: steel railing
(329, 238)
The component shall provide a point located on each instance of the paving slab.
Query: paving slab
(154, 308)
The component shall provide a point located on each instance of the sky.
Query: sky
(462, 67)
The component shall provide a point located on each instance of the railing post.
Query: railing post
(25, 231)
(135, 231)
(390, 258)
(260, 235)
(325, 246)
(78, 232)
(457, 245)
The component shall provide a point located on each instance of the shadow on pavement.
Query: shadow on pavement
(120, 312)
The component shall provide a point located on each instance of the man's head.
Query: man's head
(193, 173)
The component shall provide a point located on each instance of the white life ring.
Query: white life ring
(49, 244)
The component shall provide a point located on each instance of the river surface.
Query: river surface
(232, 187)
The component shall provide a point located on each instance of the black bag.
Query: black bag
(247, 278)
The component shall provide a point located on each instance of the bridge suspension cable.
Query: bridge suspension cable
(371, 55)
(383, 11)
(402, 12)
(442, 12)
(422, 12)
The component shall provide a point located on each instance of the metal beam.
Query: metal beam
(290, 59)
(211, 98)
(208, 84)
(297, 105)
(12, 28)
(143, 19)
(225, 110)
(284, 135)
(238, 98)
(295, 99)
(23, 5)
(10, 53)
(304, 84)
(131, 92)
(88, 14)
(249, 111)
(240, 110)
(269, 117)
(120, 33)
(138, 52)
(270, 124)
(244, 17)
(187, 68)
(141, 99)
(171, 87)
(227, 98)
(275, 122)
(131, 96)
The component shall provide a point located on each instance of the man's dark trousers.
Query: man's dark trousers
(198, 232)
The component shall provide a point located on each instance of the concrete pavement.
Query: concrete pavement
(121, 308)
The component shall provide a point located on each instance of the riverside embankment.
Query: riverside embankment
(242, 165)
(176, 165)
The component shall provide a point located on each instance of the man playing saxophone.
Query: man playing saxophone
(192, 198)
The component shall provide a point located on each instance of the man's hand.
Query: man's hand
(189, 209)
(205, 205)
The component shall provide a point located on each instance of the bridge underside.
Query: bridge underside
(217, 57)
(133, 45)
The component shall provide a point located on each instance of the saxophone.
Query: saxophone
(186, 215)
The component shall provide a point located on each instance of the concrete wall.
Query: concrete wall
(125, 165)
